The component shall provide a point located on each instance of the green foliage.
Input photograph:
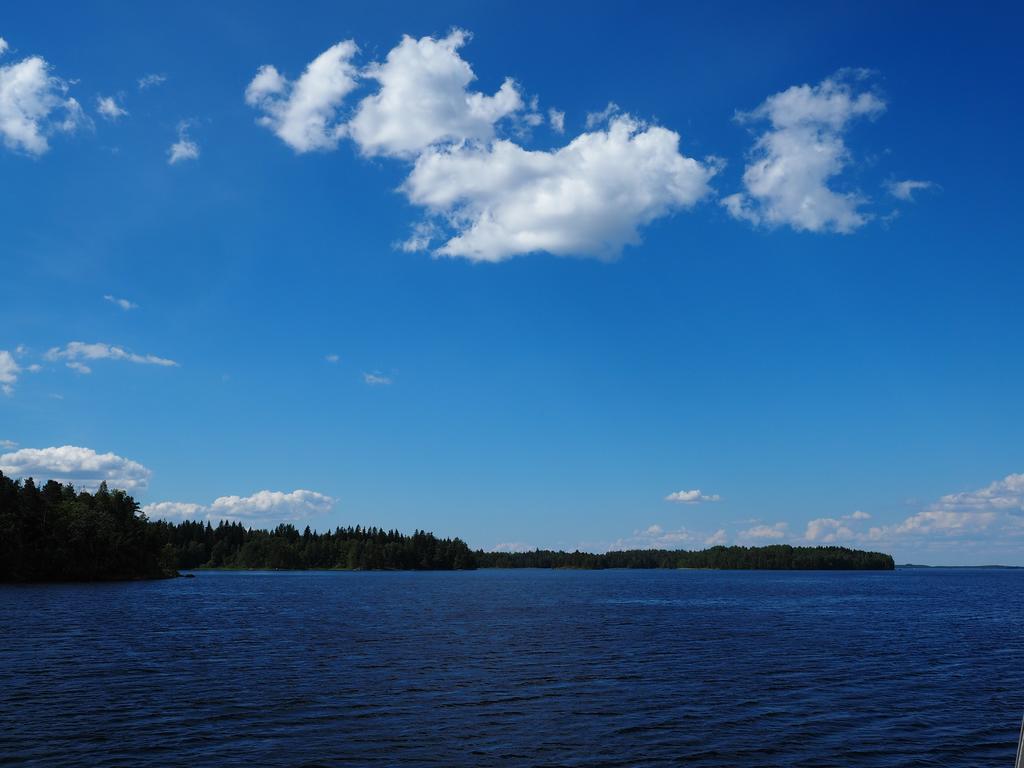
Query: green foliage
(774, 557)
(231, 545)
(54, 533)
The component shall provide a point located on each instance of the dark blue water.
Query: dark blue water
(517, 668)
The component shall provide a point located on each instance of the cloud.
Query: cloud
(423, 233)
(557, 120)
(423, 100)
(786, 180)
(589, 198)
(718, 538)
(904, 190)
(303, 113)
(174, 510)
(34, 105)
(656, 537)
(3, 46)
(595, 119)
(691, 497)
(945, 521)
(109, 108)
(151, 81)
(776, 531)
(9, 370)
(332, 358)
(7, 444)
(827, 530)
(77, 351)
(263, 508)
(376, 379)
(72, 464)
(1006, 495)
(990, 514)
(486, 197)
(122, 303)
(513, 546)
(184, 148)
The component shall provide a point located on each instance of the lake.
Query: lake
(517, 668)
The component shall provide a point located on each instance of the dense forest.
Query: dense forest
(772, 557)
(231, 545)
(55, 533)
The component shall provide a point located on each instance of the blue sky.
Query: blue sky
(381, 294)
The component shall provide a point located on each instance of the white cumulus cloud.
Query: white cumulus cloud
(828, 530)
(34, 105)
(423, 100)
(692, 497)
(787, 179)
(486, 197)
(261, 509)
(83, 467)
(589, 198)
(303, 113)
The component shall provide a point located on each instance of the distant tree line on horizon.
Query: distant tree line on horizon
(56, 533)
(781, 557)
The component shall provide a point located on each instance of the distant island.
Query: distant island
(57, 533)
(774, 557)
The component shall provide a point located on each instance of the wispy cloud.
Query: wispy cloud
(376, 379)
(122, 303)
(151, 81)
(692, 497)
(9, 370)
(184, 148)
(108, 107)
(512, 546)
(557, 120)
(332, 358)
(760, 532)
(77, 351)
(904, 190)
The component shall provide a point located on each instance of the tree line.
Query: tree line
(232, 545)
(772, 557)
(57, 533)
